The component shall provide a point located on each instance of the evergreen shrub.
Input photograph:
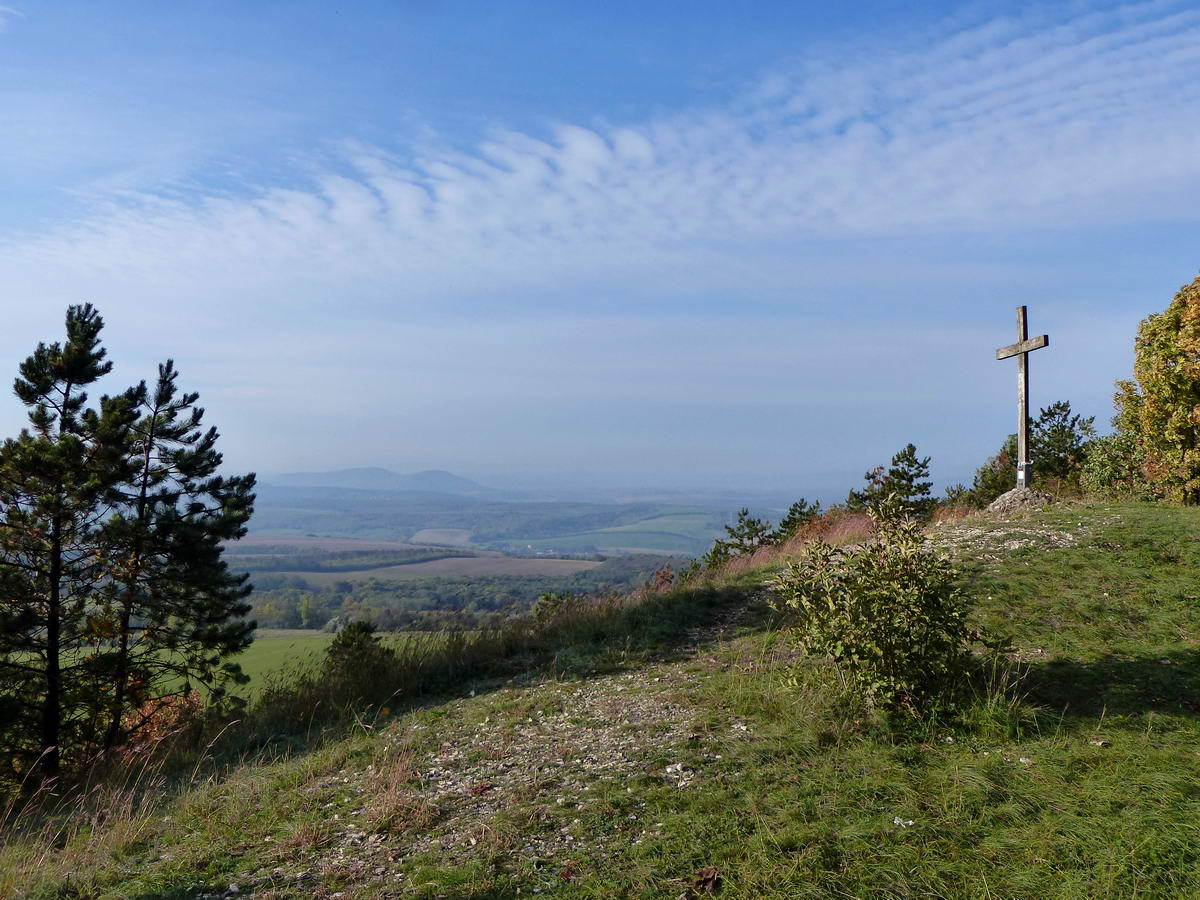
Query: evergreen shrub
(358, 666)
(906, 479)
(747, 535)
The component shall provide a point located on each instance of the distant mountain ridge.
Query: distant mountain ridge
(374, 478)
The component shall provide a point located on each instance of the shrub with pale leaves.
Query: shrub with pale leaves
(887, 612)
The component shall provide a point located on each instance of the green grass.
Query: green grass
(1129, 583)
(1081, 781)
(277, 652)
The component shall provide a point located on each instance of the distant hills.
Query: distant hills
(439, 481)
(373, 478)
(436, 507)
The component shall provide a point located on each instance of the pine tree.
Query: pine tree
(1059, 442)
(176, 610)
(798, 515)
(874, 491)
(358, 666)
(58, 483)
(905, 477)
(746, 535)
(998, 475)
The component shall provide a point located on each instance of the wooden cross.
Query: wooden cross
(1022, 348)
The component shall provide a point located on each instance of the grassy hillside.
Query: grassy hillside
(692, 751)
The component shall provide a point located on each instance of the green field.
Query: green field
(442, 536)
(275, 650)
(469, 566)
(621, 542)
(278, 651)
(408, 520)
(689, 524)
(687, 533)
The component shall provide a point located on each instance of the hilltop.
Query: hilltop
(693, 752)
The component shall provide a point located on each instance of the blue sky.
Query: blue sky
(706, 243)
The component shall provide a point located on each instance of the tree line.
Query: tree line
(290, 601)
(284, 559)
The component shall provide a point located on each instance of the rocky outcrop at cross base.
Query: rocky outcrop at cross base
(1019, 498)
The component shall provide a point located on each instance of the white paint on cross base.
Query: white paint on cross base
(1021, 349)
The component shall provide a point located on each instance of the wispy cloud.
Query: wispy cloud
(7, 14)
(1008, 123)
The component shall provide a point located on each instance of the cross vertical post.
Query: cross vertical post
(1021, 349)
(1023, 468)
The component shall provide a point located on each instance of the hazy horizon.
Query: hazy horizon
(756, 248)
(610, 489)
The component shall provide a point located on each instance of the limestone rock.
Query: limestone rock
(1019, 498)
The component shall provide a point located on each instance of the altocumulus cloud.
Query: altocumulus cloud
(1009, 123)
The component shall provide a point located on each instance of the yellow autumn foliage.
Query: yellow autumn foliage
(1161, 409)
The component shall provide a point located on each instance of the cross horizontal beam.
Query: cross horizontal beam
(1036, 343)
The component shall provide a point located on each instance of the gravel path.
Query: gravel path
(442, 788)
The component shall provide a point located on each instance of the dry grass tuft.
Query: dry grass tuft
(307, 837)
(92, 820)
(953, 514)
(395, 803)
